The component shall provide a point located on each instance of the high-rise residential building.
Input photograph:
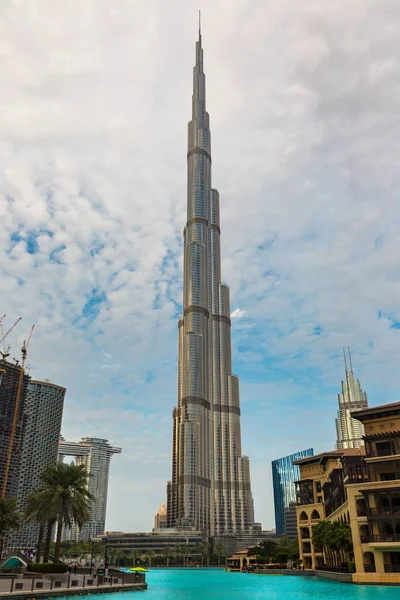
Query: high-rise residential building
(284, 474)
(291, 520)
(95, 454)
(349, 430)
(11, 425)
(44, 405)
(160, 518)
(210, 488)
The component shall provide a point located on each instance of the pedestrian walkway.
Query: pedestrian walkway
(66, 584)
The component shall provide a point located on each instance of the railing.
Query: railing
(386, 451)
(369, 569)
(342, 569)
(305, 498)
(384, 537)
(365, 539)
(392, 568)
(383, 511)
(361, 512)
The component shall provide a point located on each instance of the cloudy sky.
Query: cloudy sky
(304, 101)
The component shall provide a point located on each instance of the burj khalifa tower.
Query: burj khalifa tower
(210, 488)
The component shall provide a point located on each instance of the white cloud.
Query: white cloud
(303, 99)
(238, 313)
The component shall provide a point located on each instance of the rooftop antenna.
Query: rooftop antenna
(345, 363)
(199, 23)
(351, 366)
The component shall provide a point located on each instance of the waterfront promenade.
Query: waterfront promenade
(67, 585)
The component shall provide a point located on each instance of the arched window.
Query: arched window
(315, 515)
(303, 516)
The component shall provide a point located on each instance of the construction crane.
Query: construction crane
(24, 352)
(6, 352)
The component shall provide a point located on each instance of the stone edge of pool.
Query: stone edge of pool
(78, 591)
(339, 577)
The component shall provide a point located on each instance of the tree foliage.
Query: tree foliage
(271, 551)
(335, 538)
(10, 518)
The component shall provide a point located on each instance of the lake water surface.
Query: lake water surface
(215, 584)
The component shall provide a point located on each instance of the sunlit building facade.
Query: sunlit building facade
(210, 487)
(349, 430)
(284, 474)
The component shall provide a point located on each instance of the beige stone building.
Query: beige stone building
(360, 489)
(315, 500)
(160, 518)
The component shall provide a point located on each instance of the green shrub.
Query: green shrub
(351, 566)
(47, 568)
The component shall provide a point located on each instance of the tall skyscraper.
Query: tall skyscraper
(95, 454)
(10, 427)
(349, 431)
(284, 474)
(44, 405)
(210, 488)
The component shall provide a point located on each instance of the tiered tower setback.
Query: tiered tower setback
(210, 487)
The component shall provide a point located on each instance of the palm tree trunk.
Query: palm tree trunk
(50, 525)
(58, 541)
(39, 543)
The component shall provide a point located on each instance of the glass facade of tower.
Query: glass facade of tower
(210, 488)
(9, 378)
(44, 405)
(284, 474)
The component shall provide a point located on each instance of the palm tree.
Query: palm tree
(335, 539)
(38, 505)
(135, 555)
(10, 518)
(150, 555)
(67, 483)
(219, 551)
(167, 552)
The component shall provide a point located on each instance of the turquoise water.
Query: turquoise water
(209, 584)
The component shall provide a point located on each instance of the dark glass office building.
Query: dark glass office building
(284, 474)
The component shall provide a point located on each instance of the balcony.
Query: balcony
(392, 568)
(380, 446)
(384, 537)
(383, 511)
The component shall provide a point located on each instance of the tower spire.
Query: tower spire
(345, 362)
(199, 25)
(351, 366)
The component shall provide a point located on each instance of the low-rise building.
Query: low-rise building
(374, 497)
(316, 500)
(362, 488)
(158, 541)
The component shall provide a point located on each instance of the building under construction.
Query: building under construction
(9, 378)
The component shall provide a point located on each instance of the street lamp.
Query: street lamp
(91, 556)
(104, 539)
